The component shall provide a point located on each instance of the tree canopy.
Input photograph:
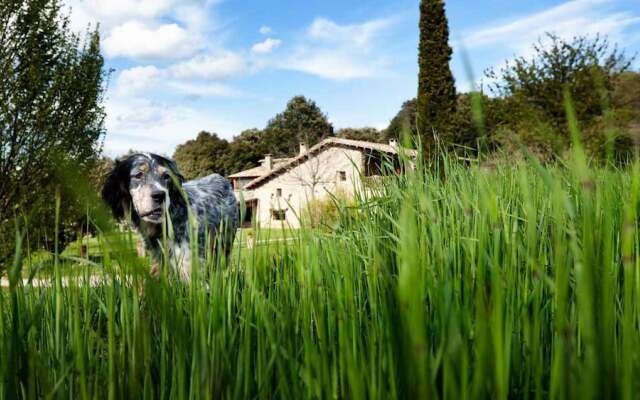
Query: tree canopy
(404, 122)
(366, 134)
(436, 101)
(584, 67)
(202, 156)
(301, 121)
(531, 94)
(51, 111)
(527, 106)
(245, 150)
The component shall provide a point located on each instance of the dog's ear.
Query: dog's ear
(173, 167)
(115, 191)
(175, 187)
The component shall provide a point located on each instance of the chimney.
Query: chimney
(267, 163)
(393, 143)
(303, 147)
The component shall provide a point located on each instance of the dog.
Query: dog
(150, 189)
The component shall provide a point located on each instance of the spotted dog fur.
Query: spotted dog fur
(148, 188)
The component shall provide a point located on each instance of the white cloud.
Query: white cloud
(358, 35)
(573, 18)
(222, 64)
(340, 52)
(141, 80)
(265, 30)
(157, 126)
(266, 46)
(115, 12)
(136, 40)
(137, 79)
(199, 89)
(331, 64)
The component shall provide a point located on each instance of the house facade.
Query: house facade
(276, 193)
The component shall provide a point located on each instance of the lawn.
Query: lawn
(84, 256)
(519, 281)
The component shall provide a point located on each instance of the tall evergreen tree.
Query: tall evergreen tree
(436, 89)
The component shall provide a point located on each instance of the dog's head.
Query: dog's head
(145, 185)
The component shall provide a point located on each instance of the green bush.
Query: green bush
(324, 213)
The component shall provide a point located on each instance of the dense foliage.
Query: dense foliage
(246, 150)
(203, 156)
(302, 121)
(527, 105)
(532, 94)
(51, 114)
(404, 123)
(366, 134)
(436, 101)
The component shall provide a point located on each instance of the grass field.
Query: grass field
(518, 281)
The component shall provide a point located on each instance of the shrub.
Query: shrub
(324, 213)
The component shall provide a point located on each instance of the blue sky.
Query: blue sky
(181, 66)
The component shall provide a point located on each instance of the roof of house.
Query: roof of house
(328, 142)
(259, 170)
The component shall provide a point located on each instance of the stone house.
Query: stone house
(276, 192)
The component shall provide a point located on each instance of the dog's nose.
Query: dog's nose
(158, 196)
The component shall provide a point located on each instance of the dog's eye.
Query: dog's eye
(166, 176)
(139, 175)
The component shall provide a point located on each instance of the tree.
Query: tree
(586, 68)
(202, 156)
(245, 150)
(301, 121)
(533, 91)
(404, 121)
(436, 101)
(367, 134)
(626, 95)
(51, 111)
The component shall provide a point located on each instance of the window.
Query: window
(279, 192)
(342, 176)
(278, 215)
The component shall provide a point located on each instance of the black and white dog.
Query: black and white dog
(150, 188)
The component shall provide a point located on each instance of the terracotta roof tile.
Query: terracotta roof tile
(258, 171)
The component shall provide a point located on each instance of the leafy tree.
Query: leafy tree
(301, 121)
(584, 67)
(404, 121)
(246, 150)
(436, 101)
(465, 130)
(533, 90)
(367, 134)
(626, 95)
(51, 110)
(202, 156)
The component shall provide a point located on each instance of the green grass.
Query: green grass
(515, 282)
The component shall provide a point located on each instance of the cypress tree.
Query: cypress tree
(436, 90)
